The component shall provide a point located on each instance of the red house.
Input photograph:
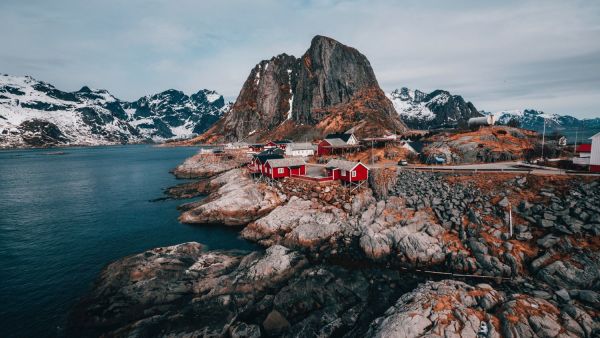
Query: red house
(258, 162)
(285, 167)
(281, 144)
(337, 143)
(256, 147)
(347, 171)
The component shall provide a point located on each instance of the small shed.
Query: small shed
(347, 171)
(285, 167)
(256, 147)
(300, 149)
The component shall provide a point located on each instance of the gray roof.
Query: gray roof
(342, 164)
(301, 146)
(336, 142)
(286, 162)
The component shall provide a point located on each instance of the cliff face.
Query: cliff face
(331, 88)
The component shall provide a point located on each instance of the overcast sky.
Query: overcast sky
(507, 55)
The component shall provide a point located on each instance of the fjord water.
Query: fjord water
(65, 216)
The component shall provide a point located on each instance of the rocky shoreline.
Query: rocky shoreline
(352, 264)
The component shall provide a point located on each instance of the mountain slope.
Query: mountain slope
(438, 109)
(331, 88)
(36, 114)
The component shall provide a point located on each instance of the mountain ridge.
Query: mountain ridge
(36, 114)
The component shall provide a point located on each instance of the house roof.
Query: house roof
(272, 151)
(256, 145)
(342, 164)
(336, 142)
(301, 146)
(584, 148)
(281, 141)
(342, 136)
(264, 158)
(595, 135)
(286, 162)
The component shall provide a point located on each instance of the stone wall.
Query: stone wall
(330, 192)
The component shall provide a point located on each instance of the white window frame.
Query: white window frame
(280, 170)
(343, 172)
(353, 173)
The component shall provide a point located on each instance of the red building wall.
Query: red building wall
(321, 150)
(362, 173)
(299, 171)
(595, 168)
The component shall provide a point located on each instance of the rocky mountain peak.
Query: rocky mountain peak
(331, 88)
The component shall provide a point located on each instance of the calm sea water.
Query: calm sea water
(64, 217)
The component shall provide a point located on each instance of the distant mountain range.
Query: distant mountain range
(36, 114)
(566, 125)
(438, 109)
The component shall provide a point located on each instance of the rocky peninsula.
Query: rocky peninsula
(429, 254)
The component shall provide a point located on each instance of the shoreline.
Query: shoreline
(361, 237)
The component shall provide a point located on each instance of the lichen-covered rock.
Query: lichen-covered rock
(525, 316)
(182, 291)
(447, 308)
(237, 201)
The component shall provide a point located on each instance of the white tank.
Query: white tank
(488, 120)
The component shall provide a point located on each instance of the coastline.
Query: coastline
(413, 234)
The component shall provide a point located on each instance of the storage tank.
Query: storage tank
(475, 122)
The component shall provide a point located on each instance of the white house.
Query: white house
(300, 149)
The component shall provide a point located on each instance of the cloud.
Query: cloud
(510, 54)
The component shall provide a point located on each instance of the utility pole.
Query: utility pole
(543, 138)
(372, 161)
(575, 147)
(510, 224)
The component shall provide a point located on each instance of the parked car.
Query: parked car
(403, 162)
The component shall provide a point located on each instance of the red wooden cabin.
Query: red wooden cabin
(258, 162)
(347, 171)
(285, 167)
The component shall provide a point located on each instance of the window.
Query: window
(280, 170)
(343, 172)
(270, 170)
(353, 173)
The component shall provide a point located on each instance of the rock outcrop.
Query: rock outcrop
(182, 291)
(488, 144)
(236, 201)
(331, 88)
(455, 309)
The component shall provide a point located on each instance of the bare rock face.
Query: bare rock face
(332, 88)
(455, 309)
(237, 200)
(298, 224)
(447, 308)
(183, 291)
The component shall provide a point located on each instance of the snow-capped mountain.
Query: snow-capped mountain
(438, 109)
(534, 120)
(172, 114)
(36, 114)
